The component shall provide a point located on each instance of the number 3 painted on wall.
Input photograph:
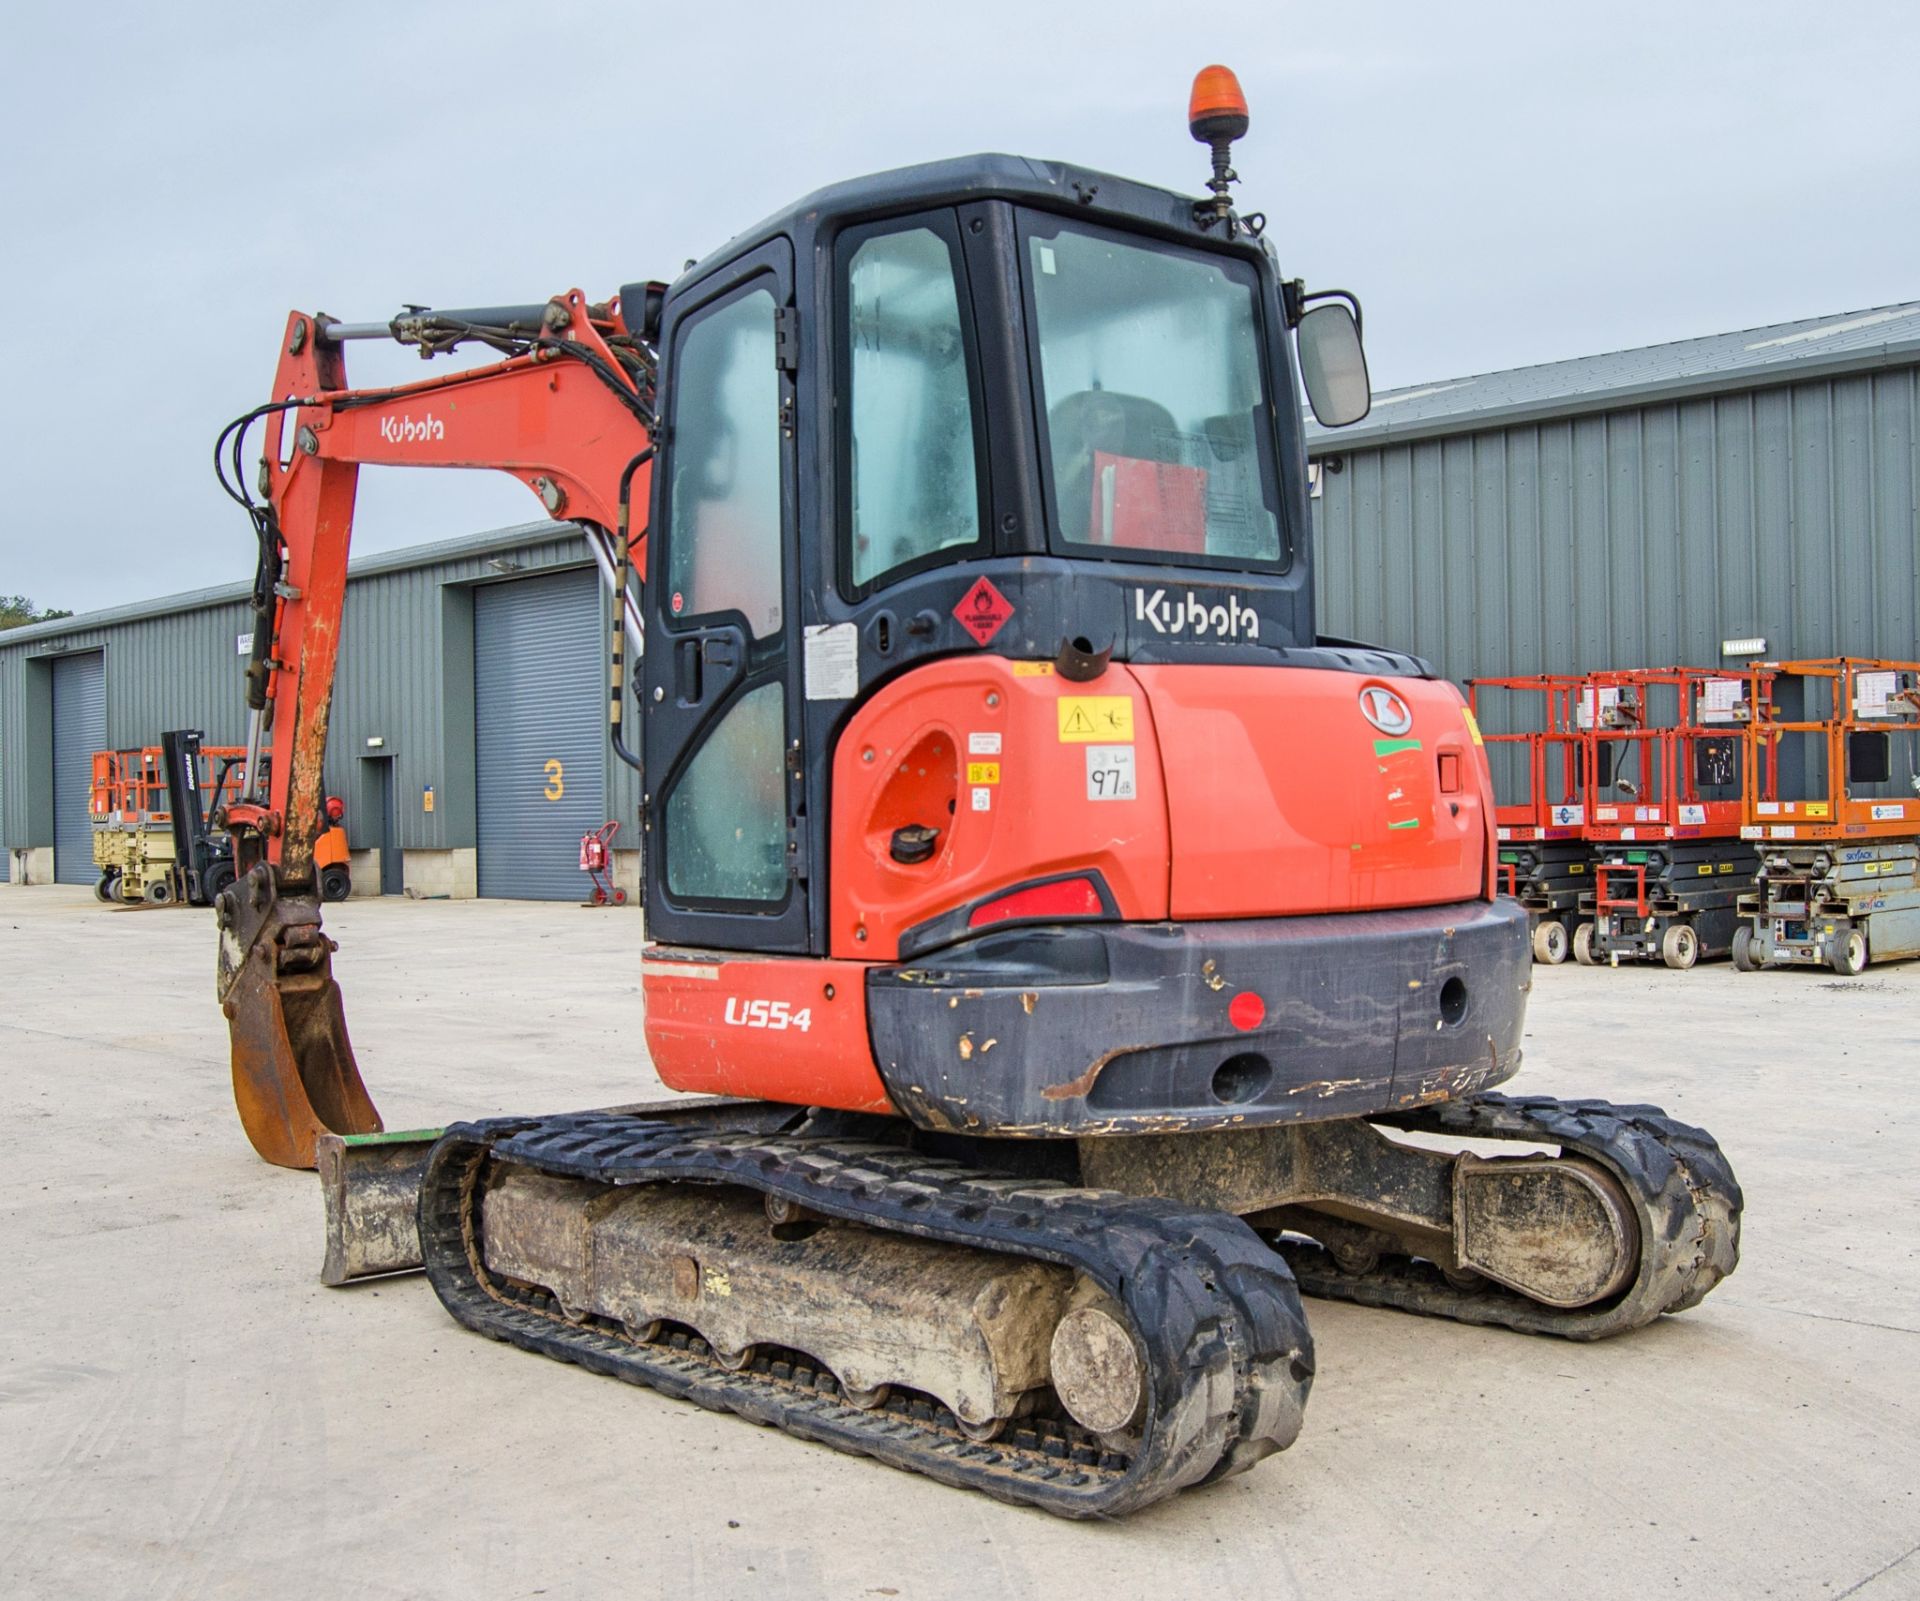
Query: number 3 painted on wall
(556, 779)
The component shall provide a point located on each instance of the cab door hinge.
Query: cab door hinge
(786, 338)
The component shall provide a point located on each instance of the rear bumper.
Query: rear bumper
(1122, 1028)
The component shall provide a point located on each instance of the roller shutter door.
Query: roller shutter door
(79, 729)
(539, 746)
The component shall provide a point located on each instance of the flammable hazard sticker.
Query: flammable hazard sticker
(983, 611)
(1087, 718)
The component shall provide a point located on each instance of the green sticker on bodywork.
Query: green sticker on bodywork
(1391, 747)
(1411, 822)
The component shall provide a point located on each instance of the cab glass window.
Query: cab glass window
(723, 516)
(910, 457)
(1155, 402)
(726, 822)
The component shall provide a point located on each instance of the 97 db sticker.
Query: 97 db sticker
(1110, 773)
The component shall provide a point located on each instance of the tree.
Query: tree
(16, 611)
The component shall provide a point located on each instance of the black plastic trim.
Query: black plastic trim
(951, 926)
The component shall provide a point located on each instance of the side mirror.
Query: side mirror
(1333, 365)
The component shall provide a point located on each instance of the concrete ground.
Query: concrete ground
(184, 1411)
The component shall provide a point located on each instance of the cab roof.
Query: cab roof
(1052, 185)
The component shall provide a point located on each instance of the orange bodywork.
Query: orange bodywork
(1255, 792)
(790, 1029)
(330, 849)
(1284, 800)
(972, 747)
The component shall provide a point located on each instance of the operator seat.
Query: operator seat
(1107, 420)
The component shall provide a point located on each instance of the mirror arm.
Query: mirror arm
(1294, 300)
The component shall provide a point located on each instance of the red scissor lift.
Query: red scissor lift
(1539, 766)
(1669, 793)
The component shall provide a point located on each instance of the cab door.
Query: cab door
(725, 857)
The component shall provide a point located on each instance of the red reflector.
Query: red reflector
(1449, 773)
(1066, 897)
(1246, 1011)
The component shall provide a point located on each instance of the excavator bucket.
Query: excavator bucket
(294, 1076)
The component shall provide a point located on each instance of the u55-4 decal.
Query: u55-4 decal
(767, 1014)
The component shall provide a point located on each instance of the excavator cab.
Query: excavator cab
(981, 662)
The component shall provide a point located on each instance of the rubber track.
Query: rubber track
(1229, 1356)
(1681, 1185)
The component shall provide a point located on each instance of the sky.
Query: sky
(1501, 184)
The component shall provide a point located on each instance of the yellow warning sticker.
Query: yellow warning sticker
(1086, 718)
(1817, 809)
(1033, 669)
(1473, 726)
(983, 772)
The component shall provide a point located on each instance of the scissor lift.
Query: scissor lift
(1537, 756)
(1839, 830)
(133, 810)
(132, 838)
(1670, 777)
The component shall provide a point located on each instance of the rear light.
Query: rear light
(1064, 897)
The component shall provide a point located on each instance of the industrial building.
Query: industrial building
(1705, 502)
(1709, 501)
(468, 736)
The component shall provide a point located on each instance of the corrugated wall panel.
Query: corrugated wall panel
(79, 729)
(1640, 537)
(405, 676)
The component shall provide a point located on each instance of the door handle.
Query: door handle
(686, 672)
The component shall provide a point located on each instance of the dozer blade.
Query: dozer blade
(370, 1183)
(294, 1077)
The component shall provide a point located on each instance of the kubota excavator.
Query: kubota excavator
(1060, 932)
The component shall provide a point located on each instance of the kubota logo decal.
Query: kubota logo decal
(1192, 614)
(1385, 710)
(412, 430)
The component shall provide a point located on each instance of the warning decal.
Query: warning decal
(983, 611)
(1087, 718)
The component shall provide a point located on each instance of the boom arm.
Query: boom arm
(566, 411)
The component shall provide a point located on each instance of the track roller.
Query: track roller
(1071, 1349)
